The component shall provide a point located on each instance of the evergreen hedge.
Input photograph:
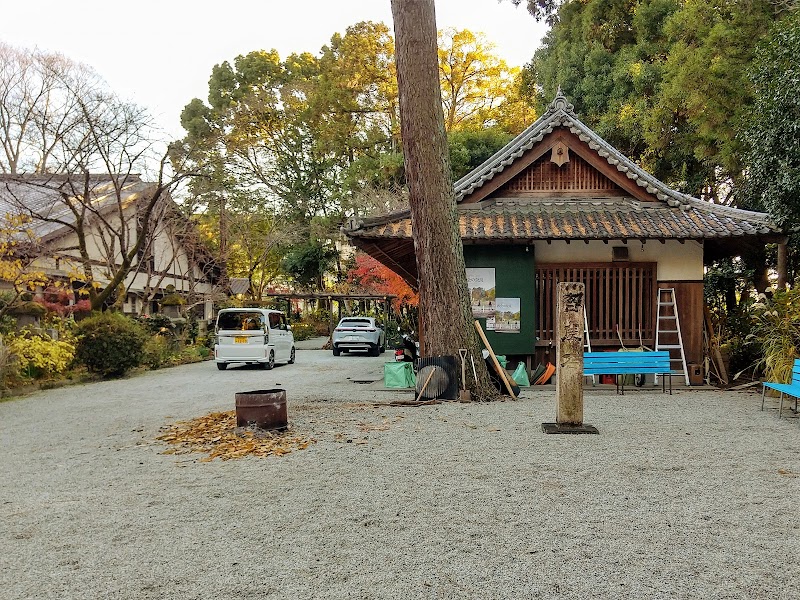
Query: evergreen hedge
(110, 344)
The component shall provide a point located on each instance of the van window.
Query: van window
(274, 320)
(240, 321)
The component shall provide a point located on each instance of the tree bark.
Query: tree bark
(445, 313)
(783, 266)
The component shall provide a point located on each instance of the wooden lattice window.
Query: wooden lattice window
(545, 176)
(616, 296)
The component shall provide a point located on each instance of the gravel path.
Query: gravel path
(693, 495)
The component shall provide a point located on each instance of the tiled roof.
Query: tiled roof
(674, 216)
(560, 114)
(596, 219)
(44, 195)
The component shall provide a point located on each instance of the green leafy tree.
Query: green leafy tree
(541, 9)
(772, 137)
(663, 81)
(307, 263)
(469, 148)
(772, 131)
(291, 140)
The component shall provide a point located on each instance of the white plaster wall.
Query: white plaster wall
(676, 261)
(165, 247)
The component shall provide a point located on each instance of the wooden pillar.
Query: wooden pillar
(331, 323)
(570, 298)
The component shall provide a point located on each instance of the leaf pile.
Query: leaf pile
(217, 435)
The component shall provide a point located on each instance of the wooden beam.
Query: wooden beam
(501, 372)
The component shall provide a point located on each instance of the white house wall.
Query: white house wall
(165, 246)
(676, 261)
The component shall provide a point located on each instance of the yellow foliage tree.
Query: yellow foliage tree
(479, 89)
(18, 251)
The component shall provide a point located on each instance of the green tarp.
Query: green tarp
(399, 375)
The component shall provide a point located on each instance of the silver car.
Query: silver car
(359, 333)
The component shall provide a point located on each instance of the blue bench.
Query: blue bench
(790, 389)
(628, 363)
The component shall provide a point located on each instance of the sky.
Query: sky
(159, 53)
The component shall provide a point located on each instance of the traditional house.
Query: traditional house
(558, 203)
(107, 212)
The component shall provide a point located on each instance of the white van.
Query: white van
(254, 336)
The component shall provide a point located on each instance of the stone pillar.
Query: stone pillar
(569, 353)
(569, 330)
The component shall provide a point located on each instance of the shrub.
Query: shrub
(207, 341)
(312, 324)
(157, 352)
(191, 354)
(9, 364)
(157, 324)
(59, 300)
(110, 344)
(8, 324)
(776, 331)
(39, 356)
(303, 331)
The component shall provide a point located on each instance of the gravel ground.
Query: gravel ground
(693, 495)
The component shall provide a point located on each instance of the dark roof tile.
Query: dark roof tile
(572, 219)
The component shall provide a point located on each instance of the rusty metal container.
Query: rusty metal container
(263, 408)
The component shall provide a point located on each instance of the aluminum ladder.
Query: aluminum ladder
(668, 332)
(587, 344)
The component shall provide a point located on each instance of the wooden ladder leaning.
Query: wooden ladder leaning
(668, 332)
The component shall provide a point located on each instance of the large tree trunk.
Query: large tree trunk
(445, 314)
(783, 266)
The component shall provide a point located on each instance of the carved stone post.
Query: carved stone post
(569, 353)
(569, 330)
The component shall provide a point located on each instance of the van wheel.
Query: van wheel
(336, 351)
(291, 356)
(222, 366)
(374, 351)
(271, 363)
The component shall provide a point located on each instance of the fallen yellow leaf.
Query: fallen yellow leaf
(217, 435)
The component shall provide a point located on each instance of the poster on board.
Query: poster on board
(507, 315)
(481, 291)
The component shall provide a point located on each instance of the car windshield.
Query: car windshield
(355, 323)
(240, 321)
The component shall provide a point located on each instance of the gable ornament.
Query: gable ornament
(560, 154)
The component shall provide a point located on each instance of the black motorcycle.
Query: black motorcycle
(409, 350)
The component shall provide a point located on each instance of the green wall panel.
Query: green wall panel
(514, 278)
